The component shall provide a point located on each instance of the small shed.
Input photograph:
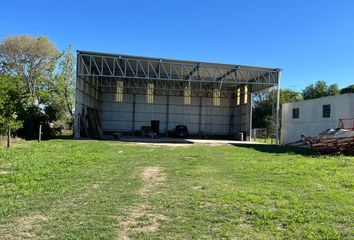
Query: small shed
(311, 117)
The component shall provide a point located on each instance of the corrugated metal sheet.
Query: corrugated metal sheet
(121, 113)
(170, 111)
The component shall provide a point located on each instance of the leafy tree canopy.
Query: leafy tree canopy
(10, 99)
(41, 86)
(320, 89)
(349, 89)
(265, 103)
(32, 59)
(66, 80)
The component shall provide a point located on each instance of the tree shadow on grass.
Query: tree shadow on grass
(160, 140)
(268, 148)
(63, 137)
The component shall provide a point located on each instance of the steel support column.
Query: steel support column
(167, 113)
(251, 103)
(133, 114)
(232, 107)
(277, 110)
(200, 114)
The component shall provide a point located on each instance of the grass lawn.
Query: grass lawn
(66, 189)
(265, 140)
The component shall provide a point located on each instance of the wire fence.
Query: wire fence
(263, 135)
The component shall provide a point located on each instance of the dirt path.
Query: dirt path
(141, 218)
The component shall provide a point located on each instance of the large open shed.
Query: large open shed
(121, 93)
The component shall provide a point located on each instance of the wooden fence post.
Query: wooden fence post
(8, 137)
(40, 133)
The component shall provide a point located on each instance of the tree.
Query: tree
(264, 106)
(320, 89)
(10, 98)
(66, 79)
(288, 95)
(32, 59)
(349, 89)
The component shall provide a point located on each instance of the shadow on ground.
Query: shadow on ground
(268, 148)
(161, 140)
(64, 137)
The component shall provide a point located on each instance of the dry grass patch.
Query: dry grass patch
(4, 172)
(29, 223)
(6, 164)
(141, 218)
(26, 227)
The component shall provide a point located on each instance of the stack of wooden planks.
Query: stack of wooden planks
(342, 143)
(91, 124)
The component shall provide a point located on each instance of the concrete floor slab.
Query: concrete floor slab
(179, 141)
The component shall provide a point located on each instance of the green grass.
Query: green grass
(65, 189)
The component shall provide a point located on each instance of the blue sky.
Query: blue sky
(309, 40)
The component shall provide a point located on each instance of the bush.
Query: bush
(32, 117)
(349, 89)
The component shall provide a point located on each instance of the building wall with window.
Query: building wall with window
(310, 117)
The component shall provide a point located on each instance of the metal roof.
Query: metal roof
(152, 68)
(175, 60)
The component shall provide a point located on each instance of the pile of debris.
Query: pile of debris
(329, 141)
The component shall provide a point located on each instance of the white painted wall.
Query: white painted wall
(311, 122)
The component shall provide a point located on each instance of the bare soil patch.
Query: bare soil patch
(28, 224)
(141, 218)
(152, 177)
(4, 172)
(173, 145)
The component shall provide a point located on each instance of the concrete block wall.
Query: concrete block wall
(310, 121)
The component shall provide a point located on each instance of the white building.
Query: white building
(313, 116)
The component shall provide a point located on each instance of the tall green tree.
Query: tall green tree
(288, 95)
(264, 106)
(32, 62)
(59, 97)
(320, 89)
(32, 59)
(66, 79)
(10, 100)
